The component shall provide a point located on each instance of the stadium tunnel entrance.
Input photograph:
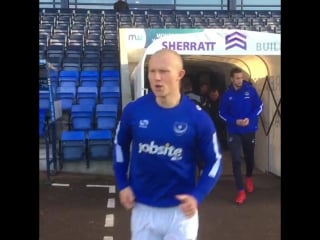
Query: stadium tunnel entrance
(262, 71)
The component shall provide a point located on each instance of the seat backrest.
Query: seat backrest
(86, 92)
(81, 117)
(44, 100)
(42, 121)
(65, 92)
(106, 110)
(81, 110)
(89, 78)
(106, 122)
(109, 92)
(99, 135)
(110, 73)
(69, 75)
(110, 83)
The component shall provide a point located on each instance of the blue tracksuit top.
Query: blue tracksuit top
(161, 147)
(238, 104)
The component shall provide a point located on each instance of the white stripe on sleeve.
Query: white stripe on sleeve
(216, 165)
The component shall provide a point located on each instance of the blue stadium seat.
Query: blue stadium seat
(91, 52)
(89, 62)
(42, 121)
(110, 66)
(68, 78)
(55, 51)
(73, 51)
(110, 79)
(71, 63)
(106, 122)
(106, 110)
(76, 38)
(87, 95)
(110, 83)
(99, 144)
(110, 74)
(44, 100)
(72, 146)
(89, 78)
(67, 95)
(81, 117)
(110, 95)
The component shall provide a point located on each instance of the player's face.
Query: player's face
(237, 80)
(214, 95)
(164, 73)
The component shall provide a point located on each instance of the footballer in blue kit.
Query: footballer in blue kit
(157, 142)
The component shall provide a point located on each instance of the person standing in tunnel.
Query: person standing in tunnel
(240, 108)
(204, 91)
(212, 107)
(187, 89)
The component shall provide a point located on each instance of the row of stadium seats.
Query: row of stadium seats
(80, 95)
(79, 63)
(100, 21)
(93, 13)
(75, 146)
(85, 78)
(85, 117)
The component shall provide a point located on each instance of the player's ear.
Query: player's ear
(182, 72)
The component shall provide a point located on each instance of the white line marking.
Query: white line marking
(95, 185)
(111, 203)
(112, 188)
(60, 184)
(107, 238)
(109, 222)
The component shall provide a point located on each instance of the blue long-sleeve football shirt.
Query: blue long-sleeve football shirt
(238, 104)
(160, 147)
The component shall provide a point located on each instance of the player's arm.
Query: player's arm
(210, 151)
(224, 110)
(257, 105)
(121, 155)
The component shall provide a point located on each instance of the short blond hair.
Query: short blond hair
(172, 52)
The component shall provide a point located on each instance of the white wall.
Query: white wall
(268, 146)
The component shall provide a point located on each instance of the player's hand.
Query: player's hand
(188, 205)
(242, 122)
(127, 198)
(245, 121)
(239, 122)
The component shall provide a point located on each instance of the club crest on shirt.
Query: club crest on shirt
(143, 123)
(180, 128)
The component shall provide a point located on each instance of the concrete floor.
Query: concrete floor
(79, 212)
